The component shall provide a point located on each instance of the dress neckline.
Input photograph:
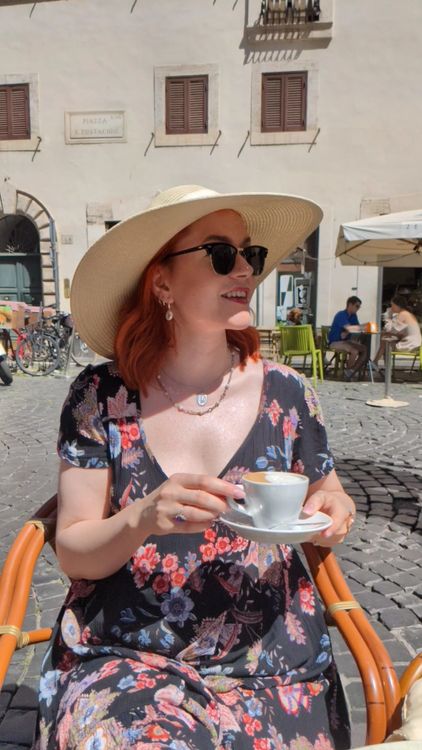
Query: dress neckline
(261, 408)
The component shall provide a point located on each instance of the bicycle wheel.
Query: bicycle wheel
(38, 354)
(81, 353)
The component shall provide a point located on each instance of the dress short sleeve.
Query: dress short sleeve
(82, 438)
(311, 452)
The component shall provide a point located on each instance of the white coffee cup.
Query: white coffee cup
(273, 498)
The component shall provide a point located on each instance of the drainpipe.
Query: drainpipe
(53, 256)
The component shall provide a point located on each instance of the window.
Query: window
(284, 102)
(283, 105)
(14, 112)
(186, 104)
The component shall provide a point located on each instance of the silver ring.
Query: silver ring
(179, 518)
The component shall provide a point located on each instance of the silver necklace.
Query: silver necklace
(201, 398)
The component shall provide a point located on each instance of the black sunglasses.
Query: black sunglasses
(223, 256)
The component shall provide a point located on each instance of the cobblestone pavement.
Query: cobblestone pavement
(378, 456)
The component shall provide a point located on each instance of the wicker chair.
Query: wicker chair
(382, 689)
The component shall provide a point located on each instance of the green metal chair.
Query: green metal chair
(298, 341)
(408, 355)
(338, 358)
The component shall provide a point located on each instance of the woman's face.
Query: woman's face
(202, 299)
(395, 308)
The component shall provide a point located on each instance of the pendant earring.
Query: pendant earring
(169, 312)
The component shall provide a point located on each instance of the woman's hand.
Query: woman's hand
(186, 504)
(328, 496)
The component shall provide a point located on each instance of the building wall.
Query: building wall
(87, 55)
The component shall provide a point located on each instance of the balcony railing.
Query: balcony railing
(289, 12)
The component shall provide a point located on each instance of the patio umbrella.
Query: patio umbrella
(391, 240)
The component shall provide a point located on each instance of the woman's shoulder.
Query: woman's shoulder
(102, 374)
(408, 317)
(283, 375)
(105, 383)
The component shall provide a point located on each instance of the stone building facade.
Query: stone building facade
(99, 140)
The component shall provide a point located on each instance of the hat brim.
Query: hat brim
(109, 271)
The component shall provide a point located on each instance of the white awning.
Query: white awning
(392, 240)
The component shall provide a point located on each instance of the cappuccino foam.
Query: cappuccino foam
(269, 477)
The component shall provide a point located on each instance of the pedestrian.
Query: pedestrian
(176, 632)
(345, 323)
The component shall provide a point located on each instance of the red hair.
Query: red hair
(143, 334)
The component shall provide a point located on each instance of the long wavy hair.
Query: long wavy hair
(144, 335)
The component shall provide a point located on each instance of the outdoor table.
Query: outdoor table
(388, 400)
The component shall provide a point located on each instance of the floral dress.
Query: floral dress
(201, 641)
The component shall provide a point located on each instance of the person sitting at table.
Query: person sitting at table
(345, 322)
(402, 325)
(294, 317)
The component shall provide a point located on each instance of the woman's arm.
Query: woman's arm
(328, 496)
(93, 544)
(399, 325)
(90, 543)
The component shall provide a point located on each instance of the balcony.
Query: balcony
(280, 12)
(289, 20)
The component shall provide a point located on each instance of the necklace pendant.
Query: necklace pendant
(201, 399)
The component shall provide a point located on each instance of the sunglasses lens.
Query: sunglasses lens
(223, 257)
(255, 255)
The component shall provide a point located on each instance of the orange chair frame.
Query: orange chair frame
(383, 691)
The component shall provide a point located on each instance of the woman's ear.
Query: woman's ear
(160, 285)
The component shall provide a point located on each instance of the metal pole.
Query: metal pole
(69, 353)
(53, 246)
(387, 401)
(387, 360)
(65, 373)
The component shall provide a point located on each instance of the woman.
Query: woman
(176, 633)
(401, 325)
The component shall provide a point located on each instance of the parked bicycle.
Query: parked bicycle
(35, 352)
(70, 343)
(42, 347)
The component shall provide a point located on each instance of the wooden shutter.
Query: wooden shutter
(187, 104)
(283, 104)
(295, 85)
(14, 112)
(272, 97)
(3, 115)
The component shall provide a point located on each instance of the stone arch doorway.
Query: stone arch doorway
(28, 267)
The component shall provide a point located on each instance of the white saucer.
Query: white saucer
(289, 533)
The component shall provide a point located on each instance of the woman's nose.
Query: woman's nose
(241, 267)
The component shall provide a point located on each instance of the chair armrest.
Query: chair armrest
(15, 583)
(411, 674)
(379, 679)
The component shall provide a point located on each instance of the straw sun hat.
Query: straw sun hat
(110, 269)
